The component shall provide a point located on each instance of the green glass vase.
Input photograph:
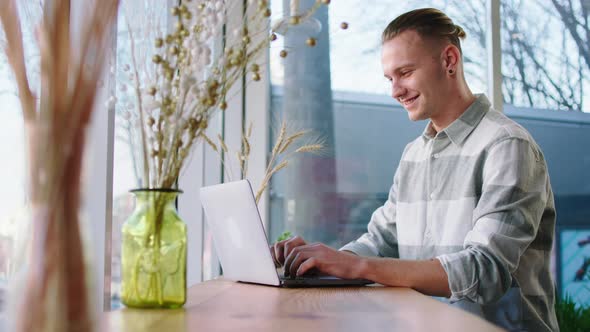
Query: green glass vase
(153, 252)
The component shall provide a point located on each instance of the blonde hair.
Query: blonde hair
(428, 23)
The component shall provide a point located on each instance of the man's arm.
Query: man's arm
(380, 239)
(425, 276)
(508, 221)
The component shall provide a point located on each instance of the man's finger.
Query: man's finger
(291, 244)
(274, 257)
(290, 258)
(300, 257)
(306, 266)
(279, 252)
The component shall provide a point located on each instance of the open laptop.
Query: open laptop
(240, 240)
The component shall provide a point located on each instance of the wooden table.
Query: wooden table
(222, 305)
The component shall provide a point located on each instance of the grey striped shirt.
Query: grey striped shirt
(477, 197)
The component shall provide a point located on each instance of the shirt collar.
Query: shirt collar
(459, 129)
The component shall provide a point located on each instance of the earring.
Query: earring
(451, 71)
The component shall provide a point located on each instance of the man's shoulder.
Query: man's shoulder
(413, 146)
(504, 127)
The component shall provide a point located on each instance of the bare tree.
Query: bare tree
(545, 47)
(542, 66)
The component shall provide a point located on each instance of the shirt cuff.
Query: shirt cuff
(360, 249)
(461, 281)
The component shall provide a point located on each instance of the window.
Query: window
(355, 53)
(546, 88)
(545, 55)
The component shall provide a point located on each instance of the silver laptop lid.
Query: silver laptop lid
(238, 234)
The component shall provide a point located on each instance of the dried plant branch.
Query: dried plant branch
(55, 291)
(310, 148)
(292, 139)
(16, 56)
(244, 156)
(185, 85)
(227, 170)
(137, 90)
(267, 177)
(222, 143)
(210, 142)
(283, 142)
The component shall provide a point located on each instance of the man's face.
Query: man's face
(416, 72)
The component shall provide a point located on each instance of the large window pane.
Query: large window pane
(546, 69)
(337, 88)
(545, 54)
(355, 53)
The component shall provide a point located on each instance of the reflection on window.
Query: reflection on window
(545, 54)
(337, 89)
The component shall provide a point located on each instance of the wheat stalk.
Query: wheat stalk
(222, 143)
(210, 142)
(283, 142)
(292, 139)
(267, 177)
(310, 148)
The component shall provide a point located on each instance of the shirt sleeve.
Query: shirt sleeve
(381, 236)
(506, 219)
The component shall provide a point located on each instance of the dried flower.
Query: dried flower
(55, 293)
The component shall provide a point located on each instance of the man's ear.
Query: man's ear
(450, 58)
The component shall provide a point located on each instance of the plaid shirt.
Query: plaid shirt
(477, 197)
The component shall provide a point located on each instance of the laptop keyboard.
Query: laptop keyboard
(284, 277)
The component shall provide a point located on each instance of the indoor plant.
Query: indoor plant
(177, 84)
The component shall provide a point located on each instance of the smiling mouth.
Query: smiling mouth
(409, 101)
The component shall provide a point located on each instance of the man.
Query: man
(470, 215)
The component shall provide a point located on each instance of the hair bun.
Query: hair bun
(459, 32)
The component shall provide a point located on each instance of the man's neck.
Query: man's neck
(459, 102)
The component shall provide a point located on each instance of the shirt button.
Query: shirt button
(436, 155)
(432, 196)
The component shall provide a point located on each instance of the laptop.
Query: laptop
(241, 243)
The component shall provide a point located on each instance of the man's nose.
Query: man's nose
(397, 91)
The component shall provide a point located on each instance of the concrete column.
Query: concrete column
(310, 201)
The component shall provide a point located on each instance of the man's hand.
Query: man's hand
(282, 249)
(320, 257)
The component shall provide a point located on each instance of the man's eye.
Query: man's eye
(406, 73)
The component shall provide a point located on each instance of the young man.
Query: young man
(470, 214)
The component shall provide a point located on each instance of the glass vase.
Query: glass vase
(153, 252)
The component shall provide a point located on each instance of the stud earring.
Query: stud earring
(451, 71)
